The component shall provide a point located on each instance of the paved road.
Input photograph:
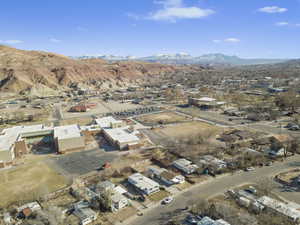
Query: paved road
(158, 214)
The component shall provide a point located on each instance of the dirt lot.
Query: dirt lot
(162, 118)
(101, 108)
(82, 121)
(28, 181)
(288, 177)
(187, 129)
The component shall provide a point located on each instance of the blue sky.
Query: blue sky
(247, 28)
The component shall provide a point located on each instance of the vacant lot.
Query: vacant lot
(79, 163)
(290, 176)
(162, 118)
(189, 129)
(28, 181)
(101, 108)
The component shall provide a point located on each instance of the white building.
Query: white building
(12, 141)
(123, 138)
(86, 215)
(290, 211)
(168, 177)
(118, 200)
(144, 184)
(185, 166)
(109, 122)
(68, 138)
(208, 221)
(209, 160)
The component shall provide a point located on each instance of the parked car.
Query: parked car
(251, 190)
(167, 200)
(190, 219)
(249, 169)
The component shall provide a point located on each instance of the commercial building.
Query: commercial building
(122, 138)
(14, 140)
(68, 138)
(205, 102)
(143, 184)
(185, 166)
(109, 122)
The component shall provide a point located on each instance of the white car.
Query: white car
(167, 200)
(250, 169)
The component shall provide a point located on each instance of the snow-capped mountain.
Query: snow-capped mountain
(185, 58)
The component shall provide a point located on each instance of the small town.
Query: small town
(158, 112)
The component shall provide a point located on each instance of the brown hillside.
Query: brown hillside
(23, 71)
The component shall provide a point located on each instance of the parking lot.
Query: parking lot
(79, 163)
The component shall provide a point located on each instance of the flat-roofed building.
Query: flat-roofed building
(68, 138)
(13, 141)
(185, 166)
(144, 184)
(109, 122)
(122, 138)
(205, 102)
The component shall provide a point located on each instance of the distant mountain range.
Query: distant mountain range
(184, 58)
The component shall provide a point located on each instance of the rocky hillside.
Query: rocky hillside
(34, 71)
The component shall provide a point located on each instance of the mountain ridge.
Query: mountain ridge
(185, 58)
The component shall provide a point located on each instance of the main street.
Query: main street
(160, 214)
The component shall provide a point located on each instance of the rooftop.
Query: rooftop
(142, 182)
(106, 122)
(280, 207)
(65, 132)
(121, 135)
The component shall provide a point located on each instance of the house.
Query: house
(143, 184)
(7, 218)
(118, 200)
(167, 177)
(290, 211)
(123, 138)
(68, 138)
(211, 161)
(275, 152)
(208, 221)
(85, 215)
(185, 166)
(33, 206)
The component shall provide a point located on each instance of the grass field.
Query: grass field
(28, 182)
(189, 128)
(158, 196)
(163, 118)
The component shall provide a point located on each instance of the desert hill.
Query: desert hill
(26, 71)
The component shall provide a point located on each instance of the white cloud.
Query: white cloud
(297, 25)
(172, 14)
(232, 40)
(272, 9)
(133, 16)
(282, 24)
(173, 10)
(217, 41)
(54, 40)
(170, 3)
(11, 42)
